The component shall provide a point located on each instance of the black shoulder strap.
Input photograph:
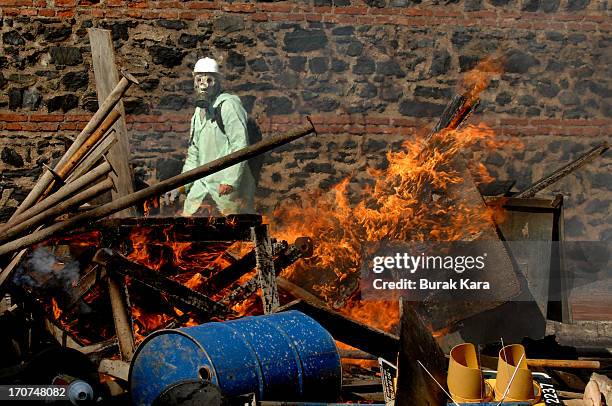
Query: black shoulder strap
(217, 118)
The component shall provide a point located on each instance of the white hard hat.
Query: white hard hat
(206, 65)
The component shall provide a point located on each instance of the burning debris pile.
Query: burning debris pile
(135, 300)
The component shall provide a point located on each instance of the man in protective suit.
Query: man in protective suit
(218, 128)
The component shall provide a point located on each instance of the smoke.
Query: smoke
(49, 272)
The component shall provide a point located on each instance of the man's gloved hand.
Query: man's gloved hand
(173, 195)
(225, 189)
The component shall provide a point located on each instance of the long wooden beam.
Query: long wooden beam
(181, 296)
(267, 144)
(349, 331)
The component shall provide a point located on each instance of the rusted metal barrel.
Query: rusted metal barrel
(284, 356)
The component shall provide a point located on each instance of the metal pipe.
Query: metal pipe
(58, 196)
(58, 209)
(162, 187)
(103, 111)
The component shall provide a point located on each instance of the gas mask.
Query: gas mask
(207, 88)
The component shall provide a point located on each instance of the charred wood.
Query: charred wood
(225, 277)
(181, 296)
(414, 385)
(349, 331)
(282, 260)
(266, 277)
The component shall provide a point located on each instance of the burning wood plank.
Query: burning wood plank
(181, 296)
(177, 229)
(302, 248)
(238, 268)
(266, 276)
(61, 336)
(347, 330)
(414, 386)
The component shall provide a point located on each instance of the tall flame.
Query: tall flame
(407, 202)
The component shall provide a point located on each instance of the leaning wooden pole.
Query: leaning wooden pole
(87, 146)
(59, 196)
(167, 185)
(59, 209)
(105, 109)
(562, 172)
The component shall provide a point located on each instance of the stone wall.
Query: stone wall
(371, 74)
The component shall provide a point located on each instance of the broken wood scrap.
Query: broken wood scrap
(266, 276)
(349, 331)
(115, 368)
(563, 171)
(122, 315)
(414, 385)
(179, 295)
(226, 276)
(300, 249)
(94, 274)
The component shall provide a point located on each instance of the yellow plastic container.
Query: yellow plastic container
(523, 388)
(465, 380)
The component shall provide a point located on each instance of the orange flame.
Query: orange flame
(57, 312)
(408, 202)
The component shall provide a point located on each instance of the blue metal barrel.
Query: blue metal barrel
(284, 356)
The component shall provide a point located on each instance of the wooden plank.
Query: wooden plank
(582, 334)
(349, 331)
(107, 77)
(62, 337)
(266, 276)
(529, 203)
(414, 386)
(122, 316)
(179, 295)
(115, 368)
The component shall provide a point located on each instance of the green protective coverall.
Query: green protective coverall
(208, 143)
